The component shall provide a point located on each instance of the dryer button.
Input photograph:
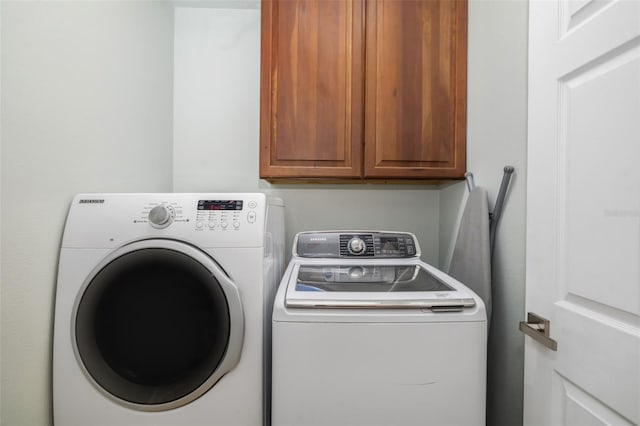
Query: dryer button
(251, 217)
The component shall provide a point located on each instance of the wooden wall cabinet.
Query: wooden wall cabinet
(363, 89)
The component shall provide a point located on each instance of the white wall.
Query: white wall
(496, 132)
(86, 107)
(216, 109)
(216, 135)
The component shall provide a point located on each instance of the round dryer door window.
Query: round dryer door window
(157, 324)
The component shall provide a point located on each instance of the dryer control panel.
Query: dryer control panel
(350, 244)
(205, 219)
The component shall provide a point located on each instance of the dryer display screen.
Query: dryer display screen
(220, 205)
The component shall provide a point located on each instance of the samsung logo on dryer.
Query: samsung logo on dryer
(91, 201)
(318, 239)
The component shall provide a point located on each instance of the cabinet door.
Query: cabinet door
(311, 88)
(415, 98)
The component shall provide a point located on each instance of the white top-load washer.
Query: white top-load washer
(365, 333)
(163, 308)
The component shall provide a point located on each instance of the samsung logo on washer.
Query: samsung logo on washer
(92, 201)
(318, 239)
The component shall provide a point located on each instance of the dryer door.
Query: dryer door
(157, 324)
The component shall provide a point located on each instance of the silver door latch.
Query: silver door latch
(539, 328)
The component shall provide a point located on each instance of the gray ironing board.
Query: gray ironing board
(471, 260)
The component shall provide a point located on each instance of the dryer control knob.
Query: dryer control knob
(161, 216)
(356, 246)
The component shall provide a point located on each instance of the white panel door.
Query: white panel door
(583, 212)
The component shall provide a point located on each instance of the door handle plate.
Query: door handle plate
(538, 328)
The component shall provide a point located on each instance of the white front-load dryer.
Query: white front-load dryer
(162, 309)
(366, 334)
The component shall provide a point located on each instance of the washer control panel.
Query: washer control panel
(365, 244)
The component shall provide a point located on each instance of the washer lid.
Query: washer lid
(373, 286)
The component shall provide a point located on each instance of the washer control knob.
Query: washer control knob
(161, 216)
(356, 246)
